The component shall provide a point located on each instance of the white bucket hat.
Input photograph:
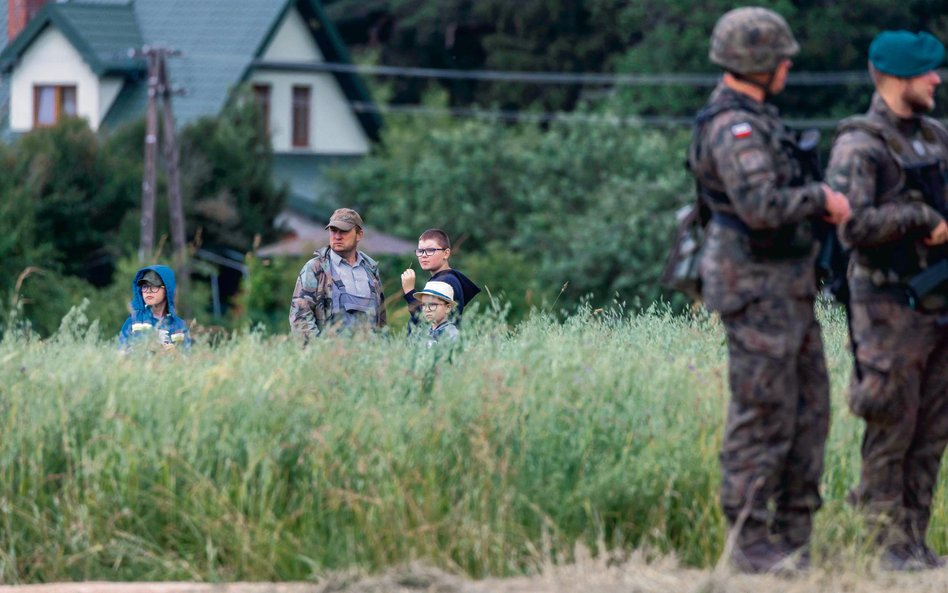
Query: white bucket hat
(441, 290)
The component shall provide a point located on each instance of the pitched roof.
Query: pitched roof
(219, 39)
(102, 33)
(3, 26)
(4, 80)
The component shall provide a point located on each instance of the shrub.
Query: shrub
(591, 205)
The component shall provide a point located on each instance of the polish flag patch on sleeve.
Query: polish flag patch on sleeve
(741, 130)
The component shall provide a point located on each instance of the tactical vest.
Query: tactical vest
(349, 310)
(922, 179)
(788, 241)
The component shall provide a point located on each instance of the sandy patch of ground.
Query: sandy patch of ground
(587, 575)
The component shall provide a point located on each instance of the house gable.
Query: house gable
(333, 49)
(219, 39)
(102, 34)
(80, 47)
(52, 61)
(291, 39)
(333, 127)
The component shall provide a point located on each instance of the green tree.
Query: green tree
(586, 204)
(77, 193)
(645, 37)
(227, 177)
(530, 35)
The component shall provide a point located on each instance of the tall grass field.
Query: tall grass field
(257, 459)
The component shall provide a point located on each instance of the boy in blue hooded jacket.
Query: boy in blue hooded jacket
(153, 317)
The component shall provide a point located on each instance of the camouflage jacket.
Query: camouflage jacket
(741, 154)
(866, 164)
(311, 307)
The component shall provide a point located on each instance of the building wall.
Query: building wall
(109, 89)
(334, 128)
(52, 60)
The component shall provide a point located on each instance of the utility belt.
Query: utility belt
(788, 241)
(925, 290)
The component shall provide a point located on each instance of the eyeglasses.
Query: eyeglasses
(430, 251)
(149, 288)
(431, 306)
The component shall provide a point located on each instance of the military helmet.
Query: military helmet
(750, 40)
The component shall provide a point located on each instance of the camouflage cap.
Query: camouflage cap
(344, 219)
(750, 40)
(905, 54)
(151, 278)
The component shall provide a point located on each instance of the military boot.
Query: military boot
(755, 552)
(896, 534)
(915, 526)
(932, 559)
(904, 557)
(792, 530)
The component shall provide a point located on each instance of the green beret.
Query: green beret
(905, 54)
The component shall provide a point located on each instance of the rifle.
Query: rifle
(832, 260)
(929, 179)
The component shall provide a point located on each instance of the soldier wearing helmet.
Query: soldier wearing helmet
(891, 162)
(757, 272)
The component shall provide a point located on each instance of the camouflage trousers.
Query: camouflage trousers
(900, 388)
(778, 417)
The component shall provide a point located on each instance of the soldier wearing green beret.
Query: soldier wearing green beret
(757, 272)
(891, 163)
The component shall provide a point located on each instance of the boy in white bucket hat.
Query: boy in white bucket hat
(437, 301)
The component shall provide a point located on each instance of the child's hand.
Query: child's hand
(408, 280)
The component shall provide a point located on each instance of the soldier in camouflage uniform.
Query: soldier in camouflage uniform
(757, 272)
(900, 383)
(339, 289)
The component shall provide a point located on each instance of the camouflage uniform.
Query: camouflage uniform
(901, 385)
(311, 309)
(778, 417)
(757, 271)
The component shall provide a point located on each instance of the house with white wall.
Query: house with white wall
(77, 57)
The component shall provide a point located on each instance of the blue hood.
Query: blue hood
(167, 276)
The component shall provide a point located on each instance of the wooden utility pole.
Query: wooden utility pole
(175, 208)
(149, 178)
(160, 89)
(170, 145)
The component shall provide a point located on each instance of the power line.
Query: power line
(549, 117)
(812, 79)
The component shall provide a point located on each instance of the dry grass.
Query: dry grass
(588, 575)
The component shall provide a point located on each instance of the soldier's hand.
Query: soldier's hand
(837, 206)
(408, 280)
(938, 236)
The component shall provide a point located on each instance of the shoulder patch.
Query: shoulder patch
(741, 130)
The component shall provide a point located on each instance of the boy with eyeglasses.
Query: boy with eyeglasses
(437, 301)
(153, 316)
(434, 249)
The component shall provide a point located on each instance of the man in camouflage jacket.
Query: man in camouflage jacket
(339, 289)
(900, 383)
(757, 272)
